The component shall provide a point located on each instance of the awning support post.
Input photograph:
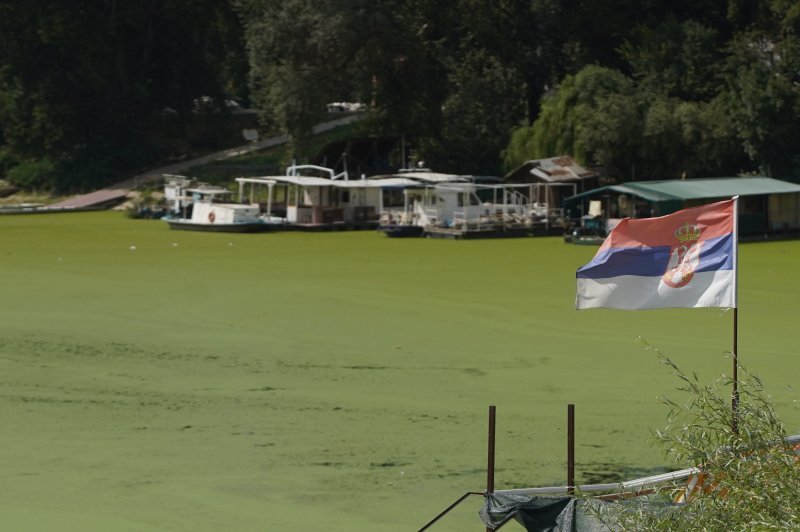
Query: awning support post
(571, 449)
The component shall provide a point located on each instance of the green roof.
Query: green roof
(705, 188)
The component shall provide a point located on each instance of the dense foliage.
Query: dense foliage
(647, 89)
(87, 86)
(693, 99)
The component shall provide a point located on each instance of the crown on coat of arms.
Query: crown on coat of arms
(687, 233)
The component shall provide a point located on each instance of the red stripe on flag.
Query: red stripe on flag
(713, 220)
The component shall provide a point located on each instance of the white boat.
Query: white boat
(465, 210)
(325, 200)
(209, 211)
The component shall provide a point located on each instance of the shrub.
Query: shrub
(755, 477)
(33, 175)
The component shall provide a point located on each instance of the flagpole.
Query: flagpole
(735, 394)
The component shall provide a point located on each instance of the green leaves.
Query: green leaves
(594, 116)
(82, 82)
(752, 473)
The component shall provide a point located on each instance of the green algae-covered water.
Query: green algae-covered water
(162, 380)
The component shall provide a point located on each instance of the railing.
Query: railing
(448, 509)
(499, 215)
(460, 219)
(292, 170)
(432, 215)
(491, 215)
(516, 198)
(556, 215)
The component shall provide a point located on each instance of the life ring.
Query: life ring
(211, 217)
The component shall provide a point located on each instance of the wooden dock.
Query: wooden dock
(470, 233)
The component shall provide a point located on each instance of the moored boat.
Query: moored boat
(210, 215)
(402, 231)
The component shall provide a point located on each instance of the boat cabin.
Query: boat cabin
(466, 209)
(326, 200)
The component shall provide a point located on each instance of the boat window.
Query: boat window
(393, 197)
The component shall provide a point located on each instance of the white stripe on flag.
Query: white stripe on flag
(632, 292)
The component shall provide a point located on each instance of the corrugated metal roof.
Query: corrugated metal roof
(553, 170)
(555, 175)
(643, 192)
(717, 187)
(705, 188)
(639, 192)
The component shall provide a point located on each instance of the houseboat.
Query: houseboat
(469, 210)
(315, 198)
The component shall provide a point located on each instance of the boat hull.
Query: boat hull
(252, 227)
(402, 231)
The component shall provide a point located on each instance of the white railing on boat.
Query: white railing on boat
(292, 170)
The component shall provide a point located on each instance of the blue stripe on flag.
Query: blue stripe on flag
(716, 254)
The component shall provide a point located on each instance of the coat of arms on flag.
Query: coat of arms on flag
(684, 256)
(684, 259)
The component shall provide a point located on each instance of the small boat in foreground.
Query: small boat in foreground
(209, 214)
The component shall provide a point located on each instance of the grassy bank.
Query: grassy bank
(161, 380)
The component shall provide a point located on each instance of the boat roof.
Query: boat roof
(233, 206)
(391, 182)
(260, 180)
(208, 190)
(425, 177)
(311, 181)
(460, 186)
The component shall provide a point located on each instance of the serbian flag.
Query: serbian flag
(684, 259)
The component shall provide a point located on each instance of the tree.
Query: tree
(526, 37)
(762, 88)
(678, 59)
(483, 104)
(593, 116)
(296, 60)
(79, 81)
(305, 54)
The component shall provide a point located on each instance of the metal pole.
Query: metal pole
(446, 510)
(571, 449)
(490, 462)
(735, 394)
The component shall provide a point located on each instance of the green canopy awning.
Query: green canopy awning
(689, 189)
